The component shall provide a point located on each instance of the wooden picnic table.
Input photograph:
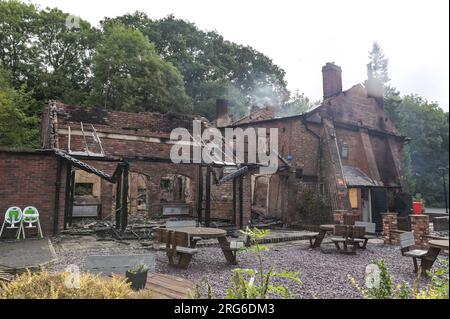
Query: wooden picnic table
(435, 247)
(210, 233)
(323, 230)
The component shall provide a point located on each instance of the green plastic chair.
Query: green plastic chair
(30, 215)
(13, 216)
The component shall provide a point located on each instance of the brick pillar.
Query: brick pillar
(420, 225)
(389, 223)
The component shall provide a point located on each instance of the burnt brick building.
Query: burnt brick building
(344, 155)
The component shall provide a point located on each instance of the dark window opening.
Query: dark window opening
(165, 183)
(84, 189)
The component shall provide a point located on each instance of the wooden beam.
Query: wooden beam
(208, 197)
(234, 201)
(67, 193)
(72, 195)
(200, 194)
(124, 212)
(118, 200)
(241, 201)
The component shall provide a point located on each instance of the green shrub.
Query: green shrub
(438, 289)
(439, 284)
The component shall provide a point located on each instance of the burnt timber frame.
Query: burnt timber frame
(121, 175)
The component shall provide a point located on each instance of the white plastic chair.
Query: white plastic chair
(30, 215)
(13, 216)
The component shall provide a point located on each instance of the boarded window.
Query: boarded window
(84, 189)
(353, 194)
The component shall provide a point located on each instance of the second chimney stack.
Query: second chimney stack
(332, 80)
(222, 116)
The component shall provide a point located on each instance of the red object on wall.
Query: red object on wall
(417, 208)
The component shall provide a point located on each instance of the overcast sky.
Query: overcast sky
(300, 36)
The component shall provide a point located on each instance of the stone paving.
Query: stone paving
(324, 272)
(31, 253)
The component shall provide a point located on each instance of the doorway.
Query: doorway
(366, 205)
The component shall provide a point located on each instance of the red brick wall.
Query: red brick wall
(293, 139)
(28, 179)
(354, 107)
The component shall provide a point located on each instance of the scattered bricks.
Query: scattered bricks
(390, 223)
(440, 223)
(420, 225)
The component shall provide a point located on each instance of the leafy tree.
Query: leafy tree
(427, 125)
(205, 60)
(130, 76)
(62, 57)
(18, 122)
(17, 29)
(378, 65)
(41, 51)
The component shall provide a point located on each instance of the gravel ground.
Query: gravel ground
(323, 273)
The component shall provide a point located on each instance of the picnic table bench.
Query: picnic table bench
(435, 247)
(427, 257)
(180, 247)
(323, 230)
(177, 247)
(370, 232)
(348, 236)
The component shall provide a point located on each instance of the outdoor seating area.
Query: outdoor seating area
(185, 260)
(181, 243)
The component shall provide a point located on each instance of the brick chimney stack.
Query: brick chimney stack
(332, 80)
(222, 116)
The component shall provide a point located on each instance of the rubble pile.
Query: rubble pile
(259, 220)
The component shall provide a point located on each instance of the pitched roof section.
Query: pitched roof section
(355, 177)
(260, 114)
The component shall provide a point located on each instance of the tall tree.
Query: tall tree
(129, 75)
(17, 29)
(427, 125)
(62, 57)
(205, 59)
(18, 121)
(45, 52)
(378, 63)
(377, 69)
